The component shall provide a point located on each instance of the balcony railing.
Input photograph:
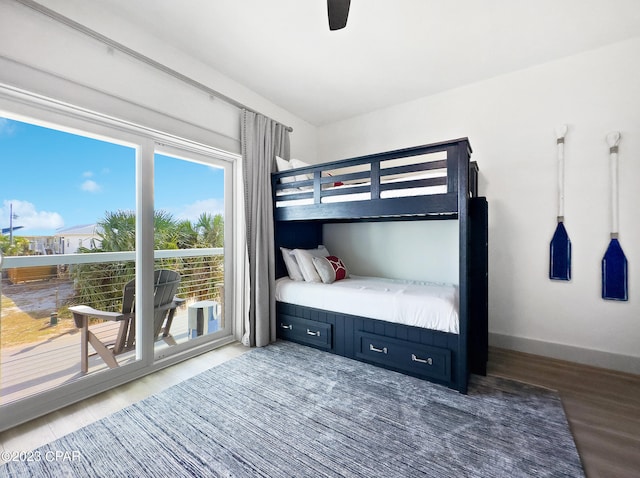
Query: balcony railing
(39, 343)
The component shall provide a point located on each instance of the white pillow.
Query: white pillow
(305, 261)
(304, 258)
(319, 251)
(284, 165)
(296, 163)
(292, 265)
(324, 269)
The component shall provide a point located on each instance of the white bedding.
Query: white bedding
(415, 303)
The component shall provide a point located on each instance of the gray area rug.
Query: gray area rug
(291, 411)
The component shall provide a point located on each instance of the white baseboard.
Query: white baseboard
(595, 358)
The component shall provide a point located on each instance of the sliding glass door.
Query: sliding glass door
(117, 243)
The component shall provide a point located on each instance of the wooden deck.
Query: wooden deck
(32, 368)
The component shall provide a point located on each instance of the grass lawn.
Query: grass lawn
(18, 327)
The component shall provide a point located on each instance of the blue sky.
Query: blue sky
(57, 180)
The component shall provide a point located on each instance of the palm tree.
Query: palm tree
(210, 230)
(204, 272)
(117, 231)
(187, 236)
(100, 284)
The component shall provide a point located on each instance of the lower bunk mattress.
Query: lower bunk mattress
(416, 303)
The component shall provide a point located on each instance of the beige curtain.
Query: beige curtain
(262, 139)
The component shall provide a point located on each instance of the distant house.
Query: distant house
(70, 239)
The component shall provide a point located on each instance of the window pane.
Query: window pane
(189, 228)
(60, 193)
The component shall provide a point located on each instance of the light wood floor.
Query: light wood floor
(602, 406)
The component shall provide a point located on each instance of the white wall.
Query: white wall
(510, 122)
(80, 70)
(398, 250)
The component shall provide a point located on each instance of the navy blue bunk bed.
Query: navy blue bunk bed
(301, 207)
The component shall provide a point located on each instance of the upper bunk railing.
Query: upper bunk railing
(422, 180)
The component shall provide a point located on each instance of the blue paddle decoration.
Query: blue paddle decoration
(560, 247)
(614, 263)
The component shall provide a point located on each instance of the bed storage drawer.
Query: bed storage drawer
(304, 331)
(417, 359)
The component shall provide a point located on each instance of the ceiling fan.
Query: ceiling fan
(338, 12)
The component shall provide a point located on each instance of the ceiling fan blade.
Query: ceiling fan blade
(338, 12)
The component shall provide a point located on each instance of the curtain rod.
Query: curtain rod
(135, 54)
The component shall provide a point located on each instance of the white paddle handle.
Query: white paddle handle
(613, 139)
(561, 132)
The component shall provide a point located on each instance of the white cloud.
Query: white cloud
(90, 186)
(7, 127)
(29, 217)
(87, 174)
(192, 211)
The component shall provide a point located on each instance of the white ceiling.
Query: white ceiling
(391, 51)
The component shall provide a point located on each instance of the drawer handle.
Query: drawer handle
(316, 334)
(290, 327)
(428, 361)
(383, 350)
